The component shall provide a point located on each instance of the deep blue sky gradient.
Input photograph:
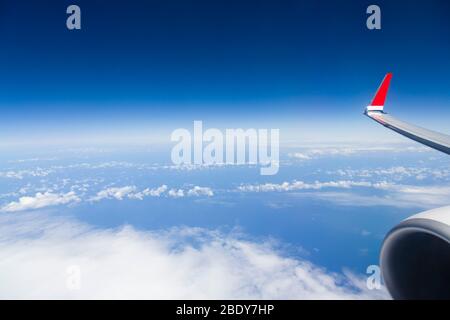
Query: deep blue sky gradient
(136, 60)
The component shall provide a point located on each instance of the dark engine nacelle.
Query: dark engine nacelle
(415, 257)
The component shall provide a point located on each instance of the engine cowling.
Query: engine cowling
(415, 256)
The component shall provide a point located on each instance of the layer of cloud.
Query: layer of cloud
(176, 193)
(300, 185)
(114, 193)
(200, 191)
(402, 198)
(49, 198)
(41, 200)
(395, 173)
(21, 174)
(419, 196)
(327, 151)
(48, 257)
(147, 192)
(130, 192)
(389, 193)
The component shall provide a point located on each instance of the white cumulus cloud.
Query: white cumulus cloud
(200, 191)
(130, 192)
(41, 200)
(114, 193)
(154, 192)
(56, 258)
(176, 193)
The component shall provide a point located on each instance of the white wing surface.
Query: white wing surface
(375, 111)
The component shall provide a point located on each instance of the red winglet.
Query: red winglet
(382, 91)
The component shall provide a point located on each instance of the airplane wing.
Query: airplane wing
(435, 140)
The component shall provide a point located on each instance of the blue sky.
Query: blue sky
(157, 65)
(86, 178)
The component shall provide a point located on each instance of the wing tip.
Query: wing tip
(380, 95)
(379, 99)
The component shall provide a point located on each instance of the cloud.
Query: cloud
(196, 191)
(32, 160)
(324, 151)
(117, 193)
(147, 167)
(396, 173)
(355, 200)
(418, 196)
(394, 199)
(299, 155)
(41, 200)
(390, 194)
(300, 185)
(155, 192)
(130, 192)
(176, 193)
(21, 174)
(200, 191)
(49, 198)
(49, 257)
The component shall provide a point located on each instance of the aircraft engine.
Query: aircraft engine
(415, 256)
